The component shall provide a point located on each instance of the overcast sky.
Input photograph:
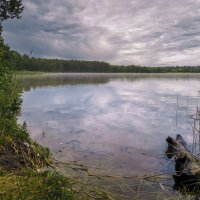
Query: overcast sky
(145, 32)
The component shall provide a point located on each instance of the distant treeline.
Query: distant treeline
(27, 63)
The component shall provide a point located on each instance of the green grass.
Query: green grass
(35, 186)
(22, 174)
(28, 72)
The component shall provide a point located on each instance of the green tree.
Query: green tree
(10, 9)
(10, 98)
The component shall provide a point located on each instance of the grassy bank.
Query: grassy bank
(25, 171)
(28, 73)
(32, 185)
(28, 171)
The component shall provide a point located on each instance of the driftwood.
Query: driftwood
(187, 166)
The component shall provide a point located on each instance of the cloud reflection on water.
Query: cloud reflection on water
(115, 121)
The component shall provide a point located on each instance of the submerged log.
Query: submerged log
(187, 166)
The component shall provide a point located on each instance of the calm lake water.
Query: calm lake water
(116, 121)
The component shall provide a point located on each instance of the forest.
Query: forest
(25, 62)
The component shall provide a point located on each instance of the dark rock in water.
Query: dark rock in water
(187, 166)
(180, 164)
(170, 149)
(187, 184)
(180, 139)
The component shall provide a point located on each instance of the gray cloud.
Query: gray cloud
(155, 32)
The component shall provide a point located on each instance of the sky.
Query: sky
(140, 32)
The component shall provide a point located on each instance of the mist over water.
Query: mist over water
(119, 121)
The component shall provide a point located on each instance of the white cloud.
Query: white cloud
(144, 32)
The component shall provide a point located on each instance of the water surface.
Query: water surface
(117, 121)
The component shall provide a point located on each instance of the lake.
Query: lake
(115, 121)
